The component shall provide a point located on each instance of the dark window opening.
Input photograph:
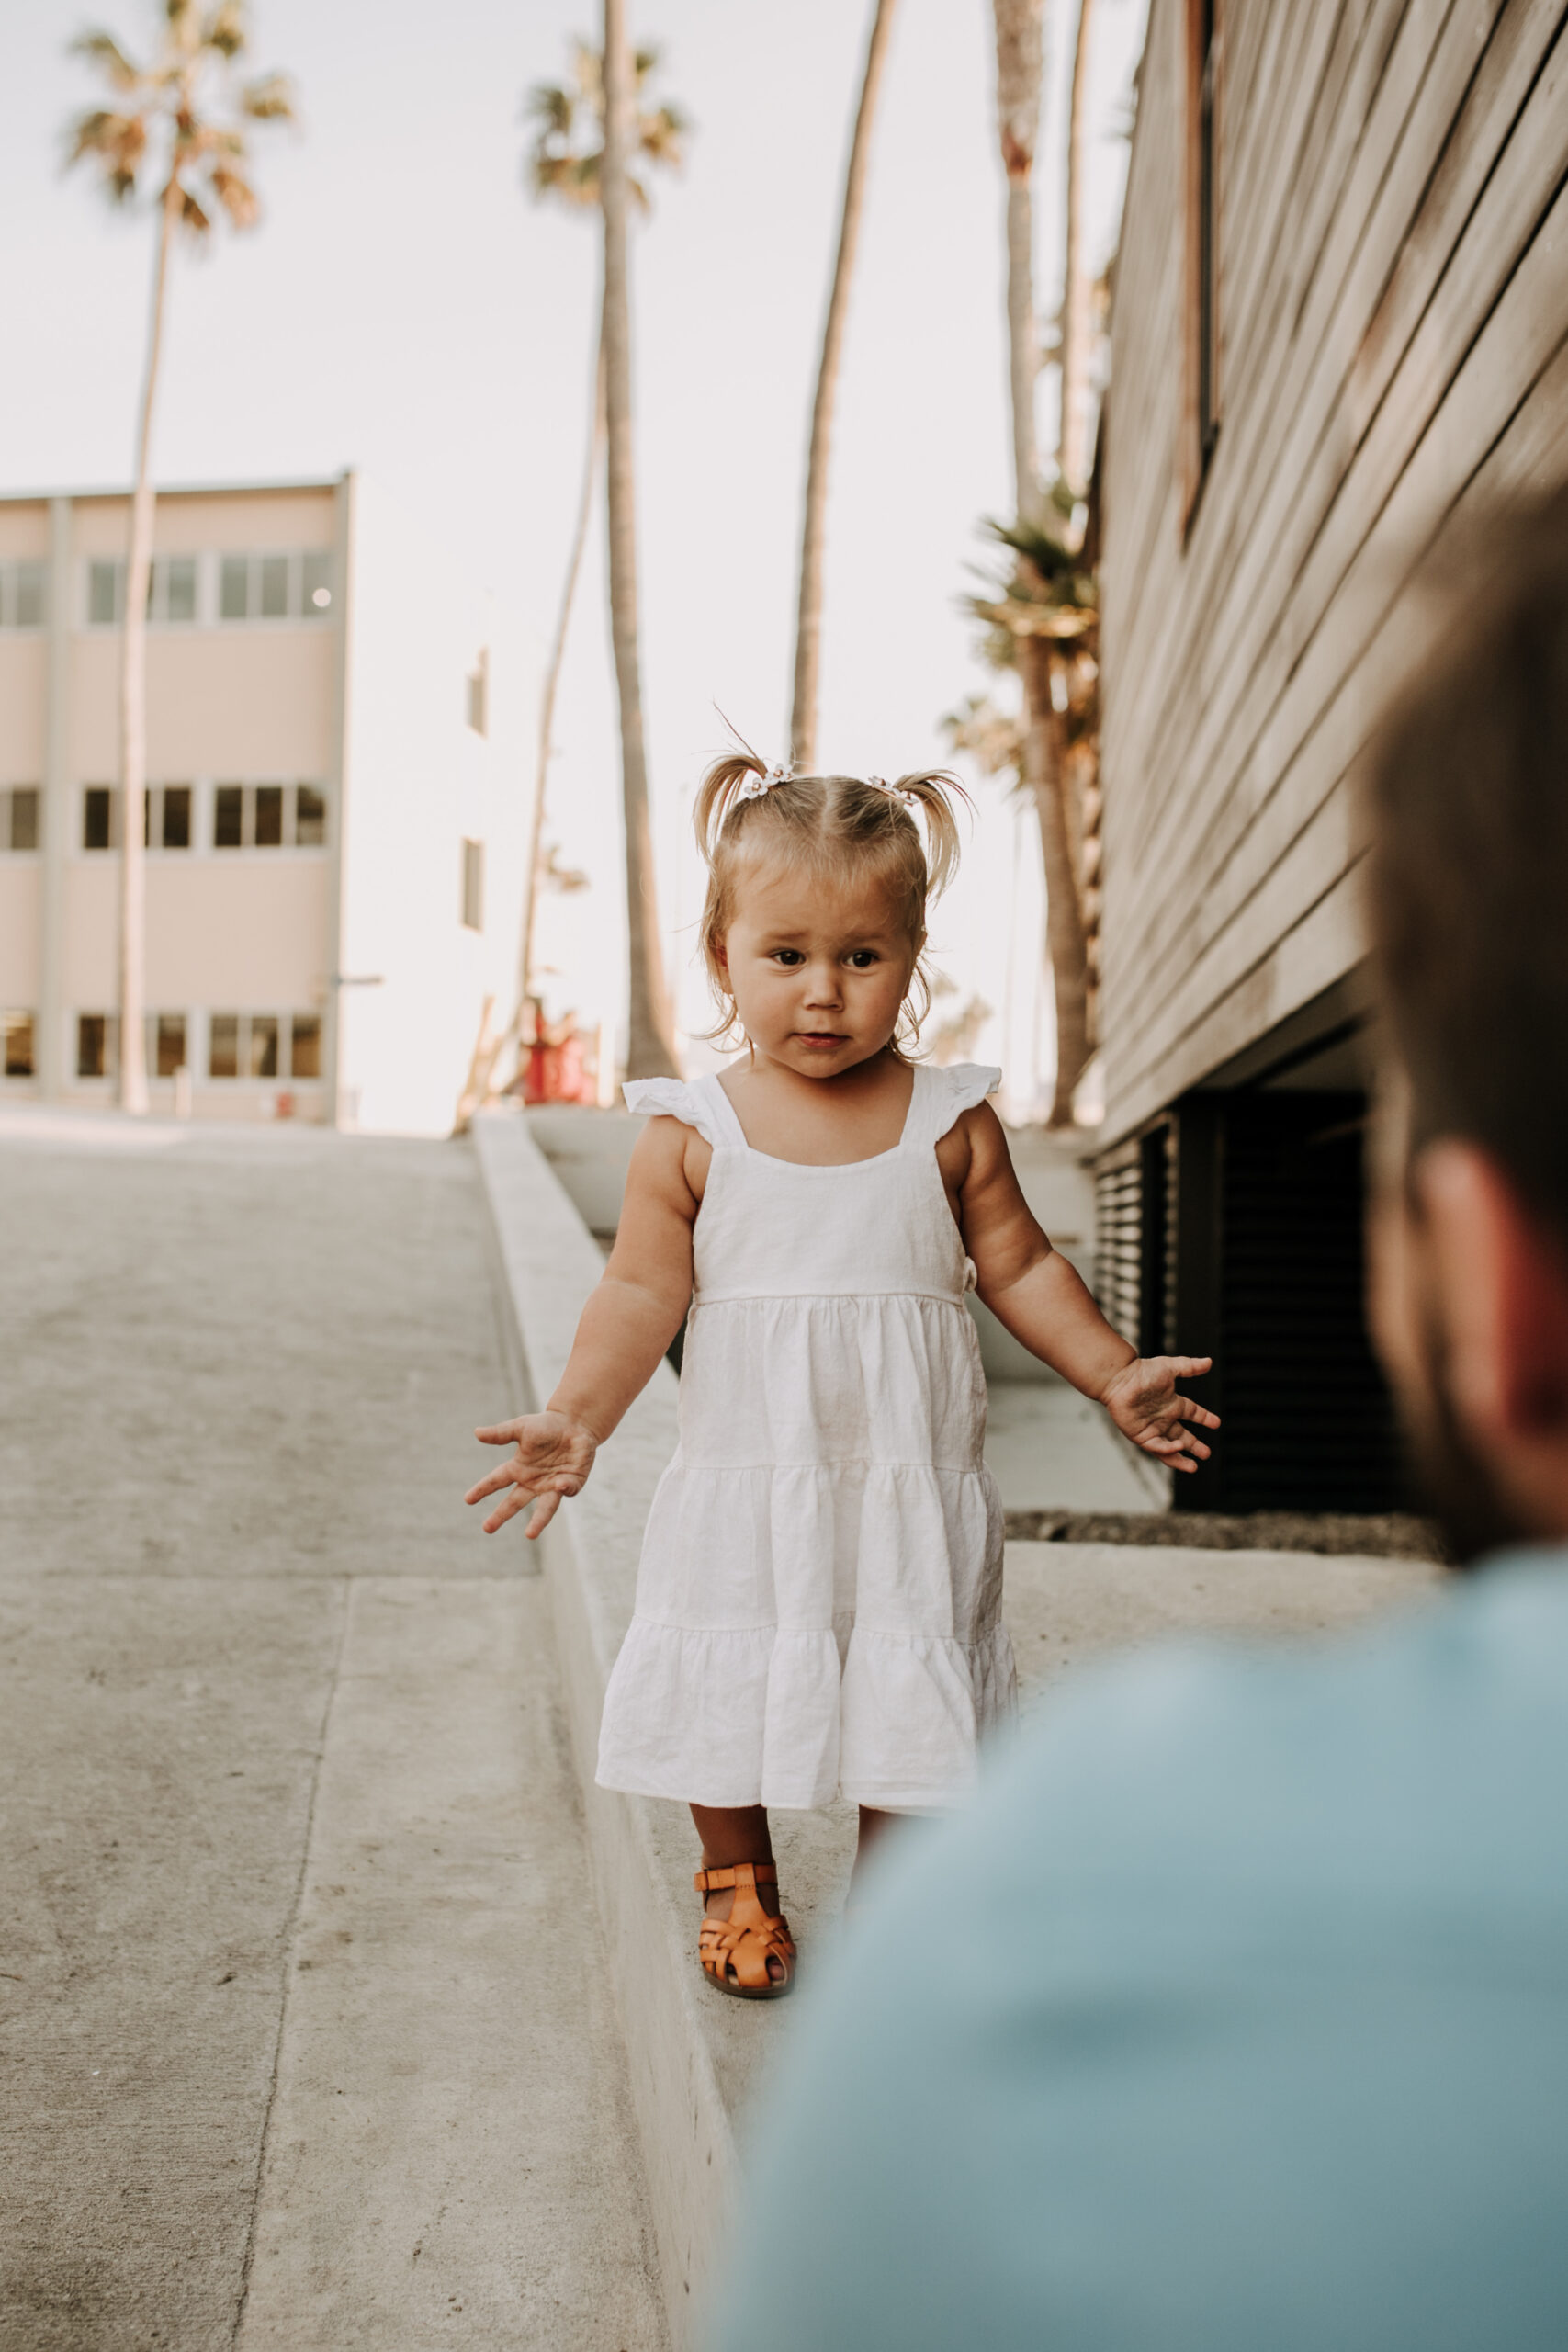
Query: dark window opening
(223, 1046)
(309, 817)
(269, 816)
(95, 1044)
(305, 1046)
(98, 822)
(228, 816)
(18, 1028)
(176, 816)
(473, 886)
(168, 1044)
(24, 816)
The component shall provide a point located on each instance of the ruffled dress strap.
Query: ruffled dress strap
(941, 1096)
(701, 1103)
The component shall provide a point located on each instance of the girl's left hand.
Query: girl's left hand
(1142, 1400)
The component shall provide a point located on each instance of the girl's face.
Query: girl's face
(819, 968)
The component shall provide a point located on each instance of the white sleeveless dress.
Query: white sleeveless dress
(818, 1602)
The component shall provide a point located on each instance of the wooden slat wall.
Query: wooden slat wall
(1394, 256)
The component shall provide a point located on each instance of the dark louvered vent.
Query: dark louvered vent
(1119, 1222)
(1308, 1422)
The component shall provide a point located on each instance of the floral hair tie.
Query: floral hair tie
(756, 785)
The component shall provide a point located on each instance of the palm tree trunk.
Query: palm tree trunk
(1075, 276)
(1044, 770)
(1019, 31)
(651, 1051)
(808, 615)
(552, 685)
(133, 707)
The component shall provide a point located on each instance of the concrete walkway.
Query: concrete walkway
(303, 2019)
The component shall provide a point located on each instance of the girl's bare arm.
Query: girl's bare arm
(1042, 1300)
(624, 1328)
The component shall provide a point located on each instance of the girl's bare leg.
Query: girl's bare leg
(730, 1834)
(873, 1828)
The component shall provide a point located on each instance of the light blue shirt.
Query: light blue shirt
(1231, 2017)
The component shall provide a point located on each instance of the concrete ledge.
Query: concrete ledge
(591, 1554)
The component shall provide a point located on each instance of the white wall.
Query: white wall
(416, 781)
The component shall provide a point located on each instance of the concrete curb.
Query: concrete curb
(550, 1265)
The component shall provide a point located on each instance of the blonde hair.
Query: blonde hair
(830, 825)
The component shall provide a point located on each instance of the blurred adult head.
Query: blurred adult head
(1467, 872)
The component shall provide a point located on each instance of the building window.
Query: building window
(16, 1029)
(171, 590)
(106, 587)
(473, 886)
(309, 817)
(227, 817)
(278, 585)
(478, 693)
(22, 594)
(268, 816)
(315, 583)
(223, 1046)
(19, 811)
(98, 827)
(262, 1060)
(165, 1043)
(254, 1045)
(1202, 399)
(173, 816)
(95, 1044)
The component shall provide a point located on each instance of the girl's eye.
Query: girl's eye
(863, 958)
(789, 956)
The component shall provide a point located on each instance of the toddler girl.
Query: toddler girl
(819, 1606)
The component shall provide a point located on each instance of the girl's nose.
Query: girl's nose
(822, 985)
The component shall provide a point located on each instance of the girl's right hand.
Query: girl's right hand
(554, 1456)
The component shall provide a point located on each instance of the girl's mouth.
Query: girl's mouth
(821, 1037)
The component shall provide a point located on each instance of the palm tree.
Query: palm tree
(1021, 67)
(565, 165)
(1042, 619)
(1078, 293)
(808, 614)
(163, 123)
(650, 1047)
(1030, 612)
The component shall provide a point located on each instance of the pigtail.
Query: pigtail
(931, 787)
(716, 796)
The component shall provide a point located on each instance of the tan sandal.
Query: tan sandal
(735, 1952)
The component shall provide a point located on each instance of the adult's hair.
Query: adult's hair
(1466, 803)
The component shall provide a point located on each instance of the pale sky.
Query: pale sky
(406, 307)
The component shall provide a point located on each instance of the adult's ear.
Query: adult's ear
(1500, 1292)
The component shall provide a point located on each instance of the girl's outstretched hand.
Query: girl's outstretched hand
(1142, 1400)
(554, 1456)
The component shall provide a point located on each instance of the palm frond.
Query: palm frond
(552, 107)
(192, 214)
(104, 51)
(237, 196)
(269, 98)
(118, 140)
(225, 29)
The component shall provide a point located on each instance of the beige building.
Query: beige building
(1340, 327)
(334, 820)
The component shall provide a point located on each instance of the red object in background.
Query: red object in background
(553, 1070)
